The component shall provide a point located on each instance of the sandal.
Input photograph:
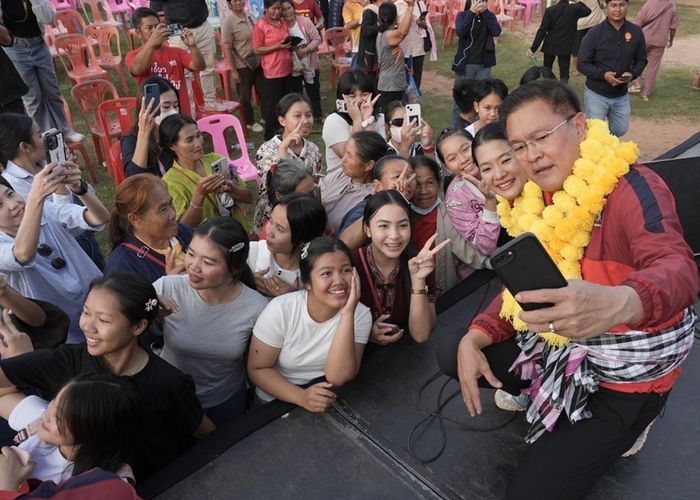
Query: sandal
(645, 98)
(634, 89)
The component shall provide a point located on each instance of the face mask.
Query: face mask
(163, 116)
(395, 134)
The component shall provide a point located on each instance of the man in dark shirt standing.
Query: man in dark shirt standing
(612, 54)
(12, 87)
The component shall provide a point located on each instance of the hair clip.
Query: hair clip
(237, 247)
(151, 304)
(305, 250)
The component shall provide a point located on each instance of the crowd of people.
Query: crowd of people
(340, 248)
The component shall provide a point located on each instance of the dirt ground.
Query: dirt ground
(653, 136)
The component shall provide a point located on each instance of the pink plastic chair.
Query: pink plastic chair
(121, 9)
(529, 5)
(65, 4)
(215, 126)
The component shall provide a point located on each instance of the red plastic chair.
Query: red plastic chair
(78, 58)
(78, 146)
(454, 7)
(498, 9)
(223, 70)
(88, 96)
(115, 165)
(71, 20)
(115, 117)
(216, 126)
(50, 39)
(339, 40)
(107, 41)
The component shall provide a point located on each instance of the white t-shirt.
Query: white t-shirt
(337, 130)
(286, 325)
(260, 257)
(50, 464)
(208, 341)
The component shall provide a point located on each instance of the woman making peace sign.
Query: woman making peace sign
(397, 284)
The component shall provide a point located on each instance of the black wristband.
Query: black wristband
(83, 189)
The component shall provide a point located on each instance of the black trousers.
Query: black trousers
(418, 70)
(313, 91)
(564, 64)
(249, 79)
(567, 462)
(275, 90)
(387, 97)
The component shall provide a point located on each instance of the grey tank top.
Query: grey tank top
(392, 76)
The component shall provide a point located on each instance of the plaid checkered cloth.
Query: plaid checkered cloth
(563, 377)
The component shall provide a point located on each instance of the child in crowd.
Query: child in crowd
(471, 206)
(355, 110)
(218, 290)
(320, 331)
(296, 219)
(488, 96)
(296, 119)
(397, 283)
(92, 422)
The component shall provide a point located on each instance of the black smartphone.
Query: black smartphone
(293, 40)
(151, 92)
(175, 29)
(523, 264)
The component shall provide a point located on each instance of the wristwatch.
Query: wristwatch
(81, 190)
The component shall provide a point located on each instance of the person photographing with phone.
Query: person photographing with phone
(154, 58)
(600, 359)
(612, 55)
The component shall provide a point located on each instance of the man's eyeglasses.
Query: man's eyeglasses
(44, 250)
(520, 149)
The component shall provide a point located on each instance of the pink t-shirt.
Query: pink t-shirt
(657, 18)
(169, 63)
(277, 64)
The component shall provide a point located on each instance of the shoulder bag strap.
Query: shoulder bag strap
(143, 252)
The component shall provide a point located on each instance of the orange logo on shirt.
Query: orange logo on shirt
(628, 36)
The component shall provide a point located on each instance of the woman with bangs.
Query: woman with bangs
(320, 331)
(356, 110)
(296, 120)
(397, 284)
(296, 219)
(471, 205)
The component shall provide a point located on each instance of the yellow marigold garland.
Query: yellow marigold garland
(564, 228)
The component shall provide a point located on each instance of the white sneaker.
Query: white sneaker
(508, 402)
(71, 135)
(215, 106)
(639, 443)
(255, 127)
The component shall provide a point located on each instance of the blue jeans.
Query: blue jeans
(34, 64)
(616, 110)
(475, 72)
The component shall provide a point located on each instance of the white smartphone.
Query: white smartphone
(413, 113)
(341, 106)
(289, 277)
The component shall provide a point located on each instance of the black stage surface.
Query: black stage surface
(360, 449)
